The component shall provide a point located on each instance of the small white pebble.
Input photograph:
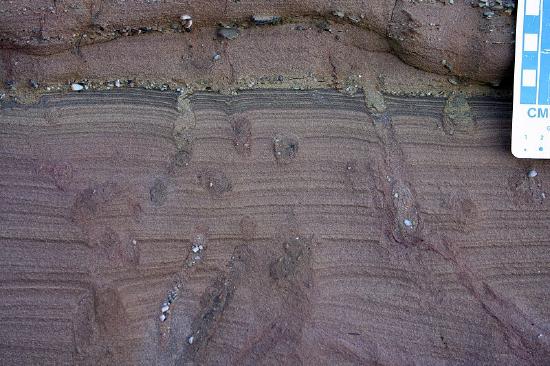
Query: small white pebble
(532, 173)
(195, 249)
(407, 222)
(396, 195)
(190, 340)
(77, 87)
(201, 247)
(162, 317)
(134, 242)
(117, 83)
(187, 22)
(165, 308)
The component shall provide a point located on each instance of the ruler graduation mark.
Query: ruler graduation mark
(531, 117)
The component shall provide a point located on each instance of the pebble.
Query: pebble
(532, 173)
(266, 19)
(77, 87)
(165, 308)
(407, 222)
(190, 340)
(187, 22)
(453, 80)
(162, 317)
(117, 83)
(228, 33)
(216, 57)
(33, 84)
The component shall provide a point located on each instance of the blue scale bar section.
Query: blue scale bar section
(531, 24)
(544, 73)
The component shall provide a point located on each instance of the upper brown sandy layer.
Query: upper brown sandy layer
(300, 55)
(434, 36)
(329, 235)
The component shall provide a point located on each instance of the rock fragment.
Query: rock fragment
(77, 87)
(266, 19)
(187, 22)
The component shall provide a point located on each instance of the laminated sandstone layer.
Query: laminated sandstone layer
(278, 227)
